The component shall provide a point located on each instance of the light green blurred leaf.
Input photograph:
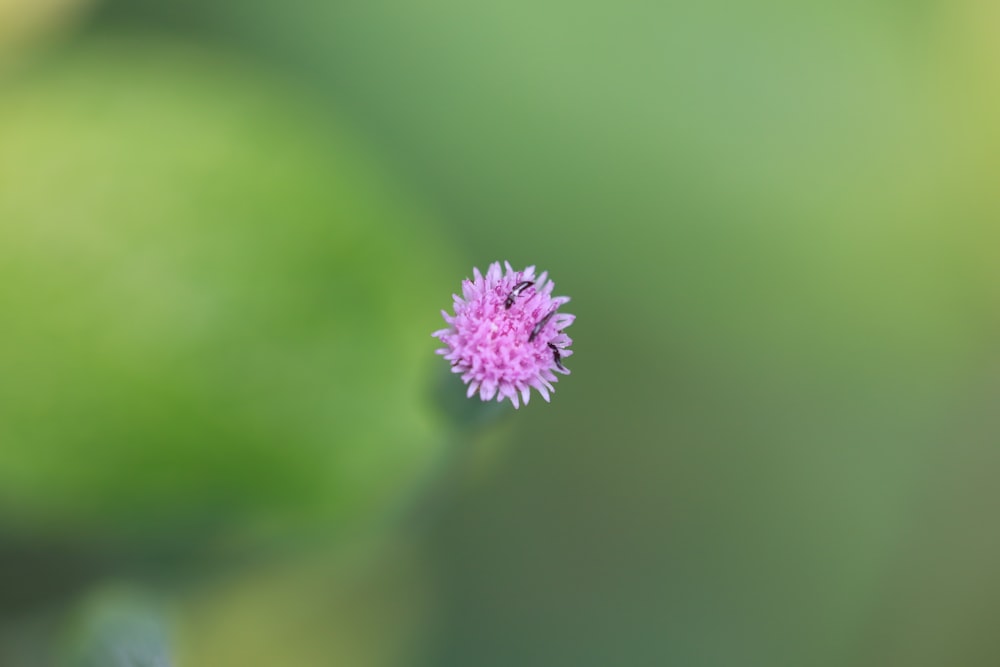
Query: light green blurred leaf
(216, 310)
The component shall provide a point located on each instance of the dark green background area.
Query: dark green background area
(779, 228)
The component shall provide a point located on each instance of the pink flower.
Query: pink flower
(506, 335)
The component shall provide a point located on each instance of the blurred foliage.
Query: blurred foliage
(778, 224)
(117, 627)
(25, 23)
(209, 298)
(365, 606)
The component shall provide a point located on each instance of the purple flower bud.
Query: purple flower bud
(506, 335)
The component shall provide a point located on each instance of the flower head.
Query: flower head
(506, 335)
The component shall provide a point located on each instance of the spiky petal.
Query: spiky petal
(504, 341)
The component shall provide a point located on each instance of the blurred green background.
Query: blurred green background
(227, 228)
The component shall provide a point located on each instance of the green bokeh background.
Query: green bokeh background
(780, 227)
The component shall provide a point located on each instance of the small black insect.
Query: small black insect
(556, 357)
(518, 288)
(541, 324)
